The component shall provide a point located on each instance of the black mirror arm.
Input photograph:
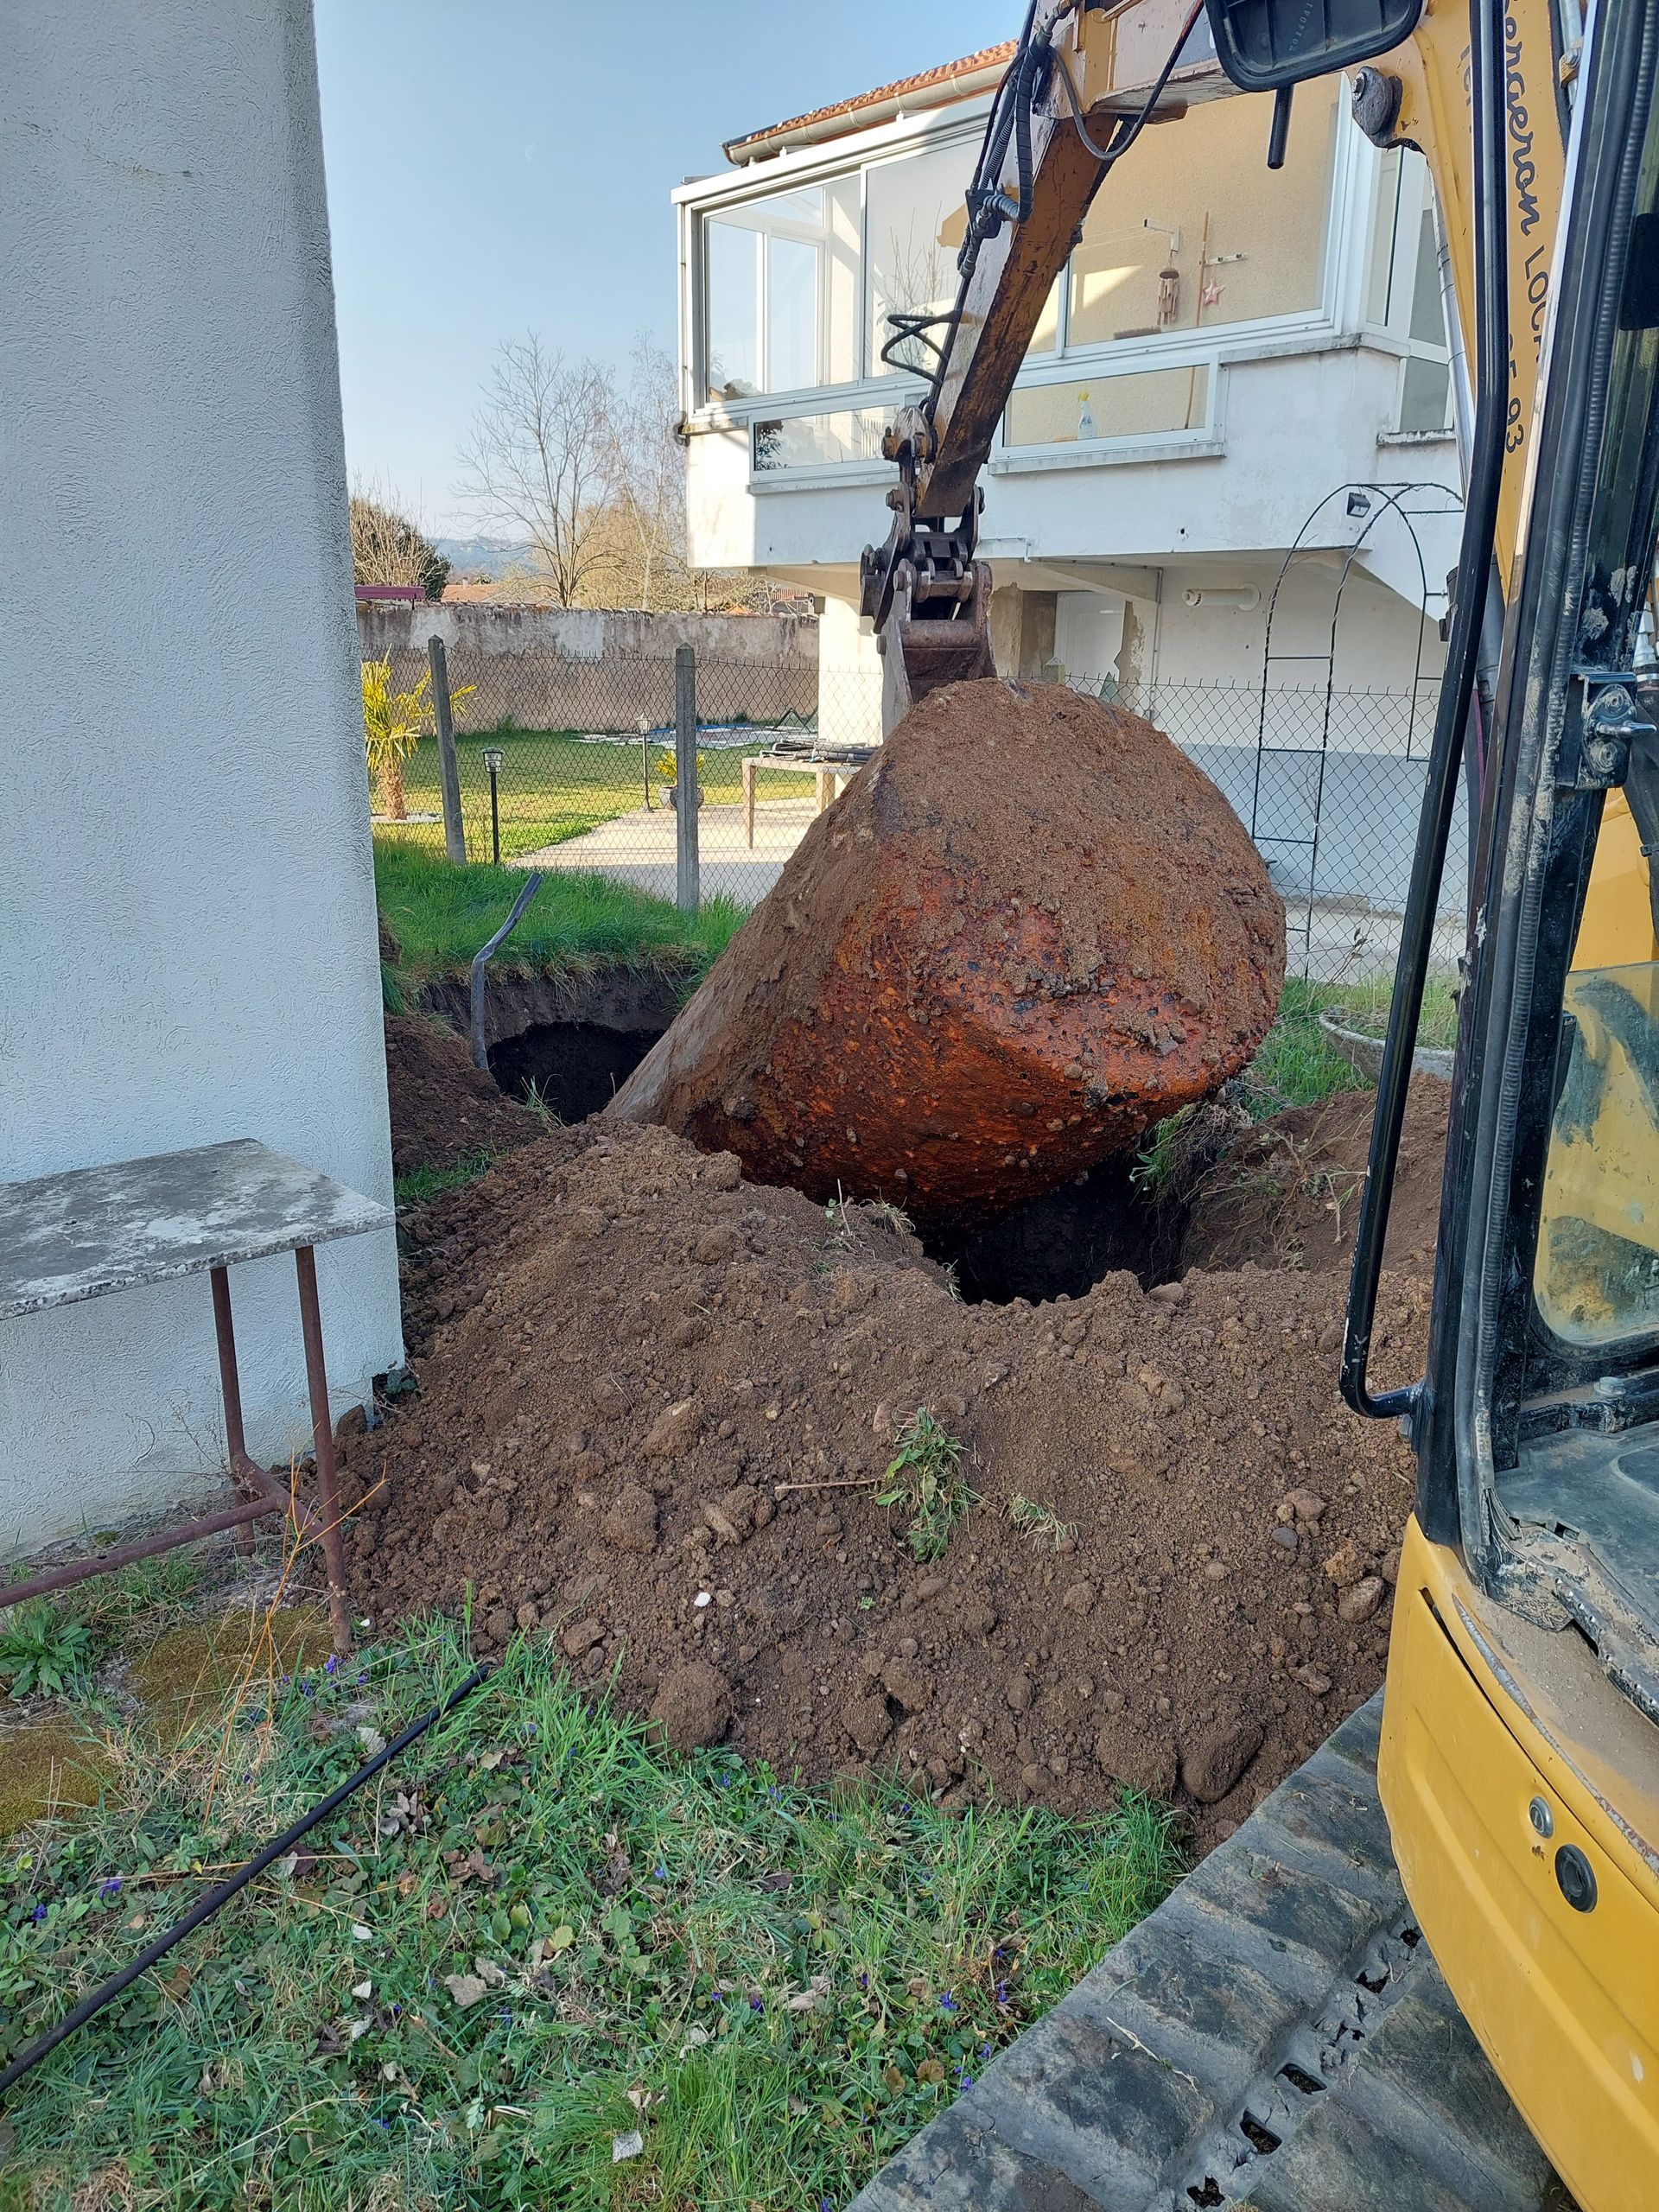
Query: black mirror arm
(1456, 689)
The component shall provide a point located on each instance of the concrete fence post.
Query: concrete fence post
(687, 890)
(454, 830)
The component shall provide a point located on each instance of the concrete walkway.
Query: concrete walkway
(639, 849)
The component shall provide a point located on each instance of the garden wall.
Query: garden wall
(558, 668)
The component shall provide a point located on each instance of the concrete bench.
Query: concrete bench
(90, 1231)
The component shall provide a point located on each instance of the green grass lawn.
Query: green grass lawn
(440, 915)
(535, 1940)
(1297, 1064)
(554, 786)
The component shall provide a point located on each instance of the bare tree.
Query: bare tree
(540, 459)
(388, 547)
(648, 480)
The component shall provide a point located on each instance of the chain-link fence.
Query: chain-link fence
(571, 765)
(1330, 786)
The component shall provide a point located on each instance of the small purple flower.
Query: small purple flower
(755, 2005)
(310, 1688)
(39, 1913)
(362, 1678)
(964, 2079)
(863, 1981)
(382, 2123)
(331, 1664)
(659, 1873)
(111, 1888)
(1001, 1992)
(947, 2002)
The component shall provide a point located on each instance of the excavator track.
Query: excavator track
(1275, 2035)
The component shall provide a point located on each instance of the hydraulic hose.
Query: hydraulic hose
(204, 1908)
(1456, 689)
(1011, 116)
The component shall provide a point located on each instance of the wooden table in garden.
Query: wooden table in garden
(828, 773)
(93, 1230)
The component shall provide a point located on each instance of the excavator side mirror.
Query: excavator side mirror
(1266, 46)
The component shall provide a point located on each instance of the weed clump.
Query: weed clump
(925, 1481)
(41, 1651)
(1042, 1523)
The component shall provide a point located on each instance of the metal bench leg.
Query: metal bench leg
(230, 1389)
(322, 1441)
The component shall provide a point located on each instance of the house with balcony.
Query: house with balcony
(1229, 465)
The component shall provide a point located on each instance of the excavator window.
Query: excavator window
(1596, 1277)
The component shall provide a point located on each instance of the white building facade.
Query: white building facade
(186, 895)
(1236, 363)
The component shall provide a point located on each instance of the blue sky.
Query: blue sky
(497, 166)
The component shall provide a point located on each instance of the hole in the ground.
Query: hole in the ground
(576, 1066)
(1060, 1244)
(1260, 2138)
(1206, 2192)
(1300, 2078)
(1375, 1983)
(1411, 1937)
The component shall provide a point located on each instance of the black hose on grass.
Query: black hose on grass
(204, 1908)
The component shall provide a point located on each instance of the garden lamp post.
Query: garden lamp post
(494, 760)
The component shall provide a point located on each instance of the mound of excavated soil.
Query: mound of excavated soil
(647, 1383)
(1285, 1193)
(443, 1107)
(1029, 929)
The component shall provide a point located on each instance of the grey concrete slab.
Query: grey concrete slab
(90, 1231)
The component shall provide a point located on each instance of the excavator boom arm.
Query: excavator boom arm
(1084, 83)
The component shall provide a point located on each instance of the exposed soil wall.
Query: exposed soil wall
(443, 1107)
(519, 999)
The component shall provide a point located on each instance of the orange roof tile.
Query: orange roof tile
(927, 80)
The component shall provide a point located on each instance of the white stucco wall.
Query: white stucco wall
(186, 904)
(1290, 429)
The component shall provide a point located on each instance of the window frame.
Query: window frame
(1339, 308)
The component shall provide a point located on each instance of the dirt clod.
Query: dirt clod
(868, 1722)
(693, 1708)
(630, 1522)
(1344, 1566)
(1213, 1763)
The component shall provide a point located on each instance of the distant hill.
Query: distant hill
(496, 555)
